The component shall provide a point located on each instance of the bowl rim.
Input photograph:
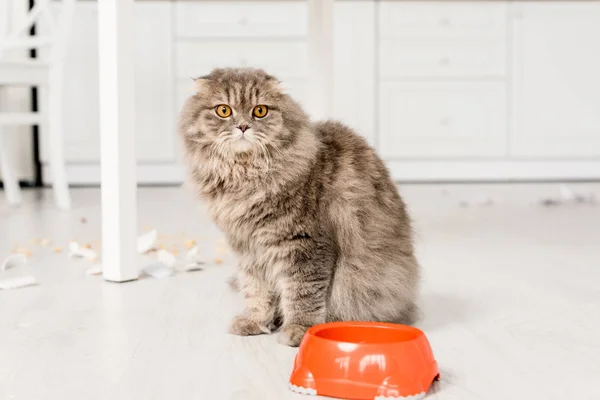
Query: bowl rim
(314, 330)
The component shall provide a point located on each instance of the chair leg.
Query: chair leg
(55, 136)
(11, 184)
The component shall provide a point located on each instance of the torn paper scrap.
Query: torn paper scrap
(192, 256)
(17, 282)
(477, 201)
(167, 258)
(77, 251)
(193, 262)
(157, 270)
(147, 241)
(569, 196)
(95, 270)
(566, 193)
(14, 260)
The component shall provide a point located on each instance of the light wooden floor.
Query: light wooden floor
(510, 302)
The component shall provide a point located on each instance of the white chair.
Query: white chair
(45, 72)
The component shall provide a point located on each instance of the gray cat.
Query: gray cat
(309, 208)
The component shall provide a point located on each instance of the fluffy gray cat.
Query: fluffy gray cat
(309, 208)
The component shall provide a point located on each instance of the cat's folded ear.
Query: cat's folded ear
(278, 86)
(201, 85)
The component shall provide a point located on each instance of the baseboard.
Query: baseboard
(485, 170)
(22, 184)
(147, 174)
(402, 171)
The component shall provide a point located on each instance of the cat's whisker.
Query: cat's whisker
(265, 152)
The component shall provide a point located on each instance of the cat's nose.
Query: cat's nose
(243, 127)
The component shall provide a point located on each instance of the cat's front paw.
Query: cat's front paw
(244, 326)
(292, 334)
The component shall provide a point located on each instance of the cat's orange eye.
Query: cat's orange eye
(260, 111)
(223, 110)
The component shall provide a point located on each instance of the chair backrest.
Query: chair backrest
(56, 26)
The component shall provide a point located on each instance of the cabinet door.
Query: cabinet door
(354, 66)
(556, 89)
(442, 119)
(154, 105)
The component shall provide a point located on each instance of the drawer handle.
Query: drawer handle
(444, 61)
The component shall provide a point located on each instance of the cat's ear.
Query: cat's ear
(279, 86)
(283, 87)
(201, 85)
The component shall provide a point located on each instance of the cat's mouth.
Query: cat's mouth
(241, 143)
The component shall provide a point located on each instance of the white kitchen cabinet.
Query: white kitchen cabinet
(442, 119)
(442, 19)
(442, 86)
(444, 90)
(236, 19)
(423, 39)
(355, 81)
(422, 58)
(556, 81)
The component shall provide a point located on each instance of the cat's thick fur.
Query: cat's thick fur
(309, 208)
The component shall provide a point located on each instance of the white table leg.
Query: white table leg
(320, 48)
(118, 162)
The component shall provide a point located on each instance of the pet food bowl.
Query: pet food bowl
(364, 360)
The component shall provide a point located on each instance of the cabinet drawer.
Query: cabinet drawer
(442, 18)
(284, 59)
(438, 58)
(240, 18)
(442, 119)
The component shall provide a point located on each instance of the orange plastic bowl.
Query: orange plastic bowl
(364, 360)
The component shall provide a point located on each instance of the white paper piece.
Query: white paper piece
(566, 193)
(477, 201)
(95, 270)
(157, 270)
(14, 260)
(193, 262)
(17, 282)
(81, 252)
(147, 241)
(569, 196)
(192, 256)
(167, 258)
